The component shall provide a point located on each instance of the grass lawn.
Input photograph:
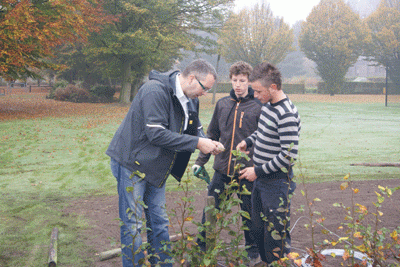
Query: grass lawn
(46, 161)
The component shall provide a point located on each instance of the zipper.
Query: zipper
(232, 138)
(175, 154)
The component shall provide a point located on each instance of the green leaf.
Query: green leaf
(281, 210)
(129, 189)
(275, 235)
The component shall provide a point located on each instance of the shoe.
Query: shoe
(253, 255)
(253, 259)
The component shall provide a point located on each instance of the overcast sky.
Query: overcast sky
(290, 10)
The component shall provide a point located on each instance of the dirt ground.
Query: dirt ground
(102, 211)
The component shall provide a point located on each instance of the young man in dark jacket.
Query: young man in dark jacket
(235, 117)
(156, 138)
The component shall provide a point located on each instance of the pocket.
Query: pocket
(114, 168)
(241, 119)
(134, 154)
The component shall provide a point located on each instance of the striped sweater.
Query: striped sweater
(277, 138)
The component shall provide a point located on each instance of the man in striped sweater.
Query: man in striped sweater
(275, 145)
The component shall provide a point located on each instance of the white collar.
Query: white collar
(179, 92)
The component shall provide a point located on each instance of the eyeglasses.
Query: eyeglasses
(202, 86)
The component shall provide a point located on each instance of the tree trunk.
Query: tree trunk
(136, 82)
(215, 86)
(126, 88)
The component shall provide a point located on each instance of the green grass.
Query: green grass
(46, 163)
(333, 136)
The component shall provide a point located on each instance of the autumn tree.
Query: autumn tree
(31, 29)
(150, 34)
(383, 45)
(332, 36)
(255, 35)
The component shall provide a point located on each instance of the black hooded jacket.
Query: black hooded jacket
(151, 135)
(233, 120)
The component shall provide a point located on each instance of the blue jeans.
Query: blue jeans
(130, 213)
(268, 197)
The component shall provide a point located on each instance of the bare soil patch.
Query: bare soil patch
(102, 213)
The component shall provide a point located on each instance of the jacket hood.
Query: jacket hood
(167, 78)
(250, 95)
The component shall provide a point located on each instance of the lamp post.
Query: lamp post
(386, 86)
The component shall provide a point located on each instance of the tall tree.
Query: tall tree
(383, 44)
(150, 34)
(292, 65)
(332, 37)
(255, 35)
(31, 29)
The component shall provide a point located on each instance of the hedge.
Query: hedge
(363, 88)
(287, 88)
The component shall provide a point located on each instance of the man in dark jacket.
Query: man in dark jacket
(235, 117)
(156, 138)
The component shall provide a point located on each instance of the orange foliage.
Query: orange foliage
(29, 31)
(23, 105)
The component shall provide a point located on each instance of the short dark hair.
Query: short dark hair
(267, 74)
(240, 67)
(200, 68)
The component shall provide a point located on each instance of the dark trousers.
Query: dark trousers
(271, 208)
(218, 183)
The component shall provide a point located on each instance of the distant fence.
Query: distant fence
(370, 88)
(287, 88)
(41, 88)
(15, 88)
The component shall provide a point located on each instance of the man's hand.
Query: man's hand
(248, 174)
(208, 146)
(242, 147)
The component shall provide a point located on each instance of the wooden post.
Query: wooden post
(210, 218)
(106, 255)
(53, 248)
